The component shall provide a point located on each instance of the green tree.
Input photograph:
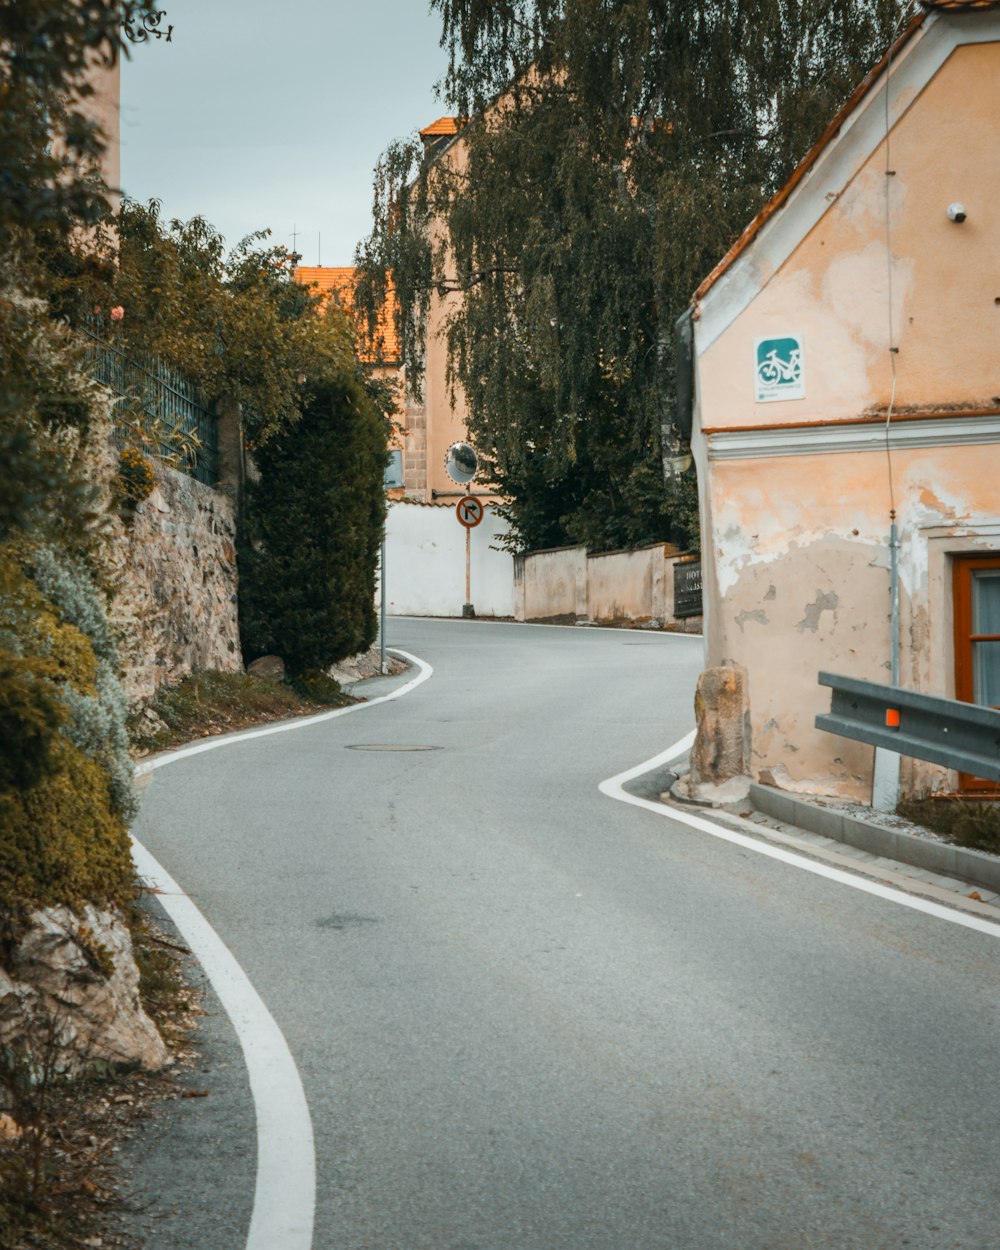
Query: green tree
(235, 323)
(313, 527)
(617, 148)
(50, 191)
(51, 146)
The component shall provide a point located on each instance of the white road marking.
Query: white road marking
(225, 740)
(284, 1203)
(614, 789)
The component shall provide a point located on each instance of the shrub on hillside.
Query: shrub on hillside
(61, 841)
(313, 527)
(92, 692)
(66, 791)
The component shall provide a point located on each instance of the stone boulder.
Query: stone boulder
(69, 995)
(720, 757)
(267, 668)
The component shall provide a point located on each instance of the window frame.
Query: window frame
(963, 568)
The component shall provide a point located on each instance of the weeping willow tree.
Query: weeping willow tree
(615, 150)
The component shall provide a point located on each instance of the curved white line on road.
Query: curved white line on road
(285, 1193)
(284, 1203)
(225, 740)
(614, 789)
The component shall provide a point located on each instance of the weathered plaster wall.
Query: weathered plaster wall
(798, 578)
(631, 585)
(802, 577)
(601, 586)
(550, 584)
(176, 607)
(834, 288)
(441, 418)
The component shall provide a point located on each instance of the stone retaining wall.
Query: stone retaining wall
(175, 607)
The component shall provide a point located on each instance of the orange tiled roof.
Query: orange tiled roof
(338, 284)
(443, 126)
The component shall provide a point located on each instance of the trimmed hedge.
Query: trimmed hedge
(312, 528)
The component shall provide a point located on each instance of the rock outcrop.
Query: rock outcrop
(69, 995)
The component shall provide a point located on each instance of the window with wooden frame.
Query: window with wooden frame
(976, 588)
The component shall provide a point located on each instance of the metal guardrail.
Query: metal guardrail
(166, 396)
(963, 736)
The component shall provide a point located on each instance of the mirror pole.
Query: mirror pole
(467, 609)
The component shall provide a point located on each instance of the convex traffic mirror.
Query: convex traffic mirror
(461, 463)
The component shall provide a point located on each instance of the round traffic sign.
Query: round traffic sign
(469, 512)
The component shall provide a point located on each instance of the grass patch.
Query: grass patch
(214, 703)
(975, 825)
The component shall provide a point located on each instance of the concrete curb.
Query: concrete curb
(976, 867)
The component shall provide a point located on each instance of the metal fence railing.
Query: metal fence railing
(170, 420)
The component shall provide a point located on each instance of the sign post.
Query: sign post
(469, 512)
(461, 464)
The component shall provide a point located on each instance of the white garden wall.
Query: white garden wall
(425, 563)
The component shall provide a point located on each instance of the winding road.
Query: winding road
(526, 1017)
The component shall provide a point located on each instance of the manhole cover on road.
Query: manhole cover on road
(389, 746)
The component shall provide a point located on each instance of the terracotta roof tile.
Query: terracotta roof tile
(337, 284)
(443, 126)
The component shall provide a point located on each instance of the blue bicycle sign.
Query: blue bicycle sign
(778, 369)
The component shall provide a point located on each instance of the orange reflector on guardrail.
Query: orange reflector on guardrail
(892, 717)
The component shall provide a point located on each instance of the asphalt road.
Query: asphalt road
(527, 1017)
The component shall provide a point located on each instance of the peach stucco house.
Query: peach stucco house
(846, 367)
(438, 418)
(335, 285)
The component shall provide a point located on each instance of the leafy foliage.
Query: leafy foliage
(968, 823)
(617, 150)
(313, 526)
(47, 49)
(65, 783)
(49, 409)
(60, 839)
(135, 479)
(236, 324)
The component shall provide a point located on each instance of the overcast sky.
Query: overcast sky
(272, 113)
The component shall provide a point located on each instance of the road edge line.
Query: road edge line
(284, 1205)
(613, 788)
(144, 767)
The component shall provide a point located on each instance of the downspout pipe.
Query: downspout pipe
(894, 593)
